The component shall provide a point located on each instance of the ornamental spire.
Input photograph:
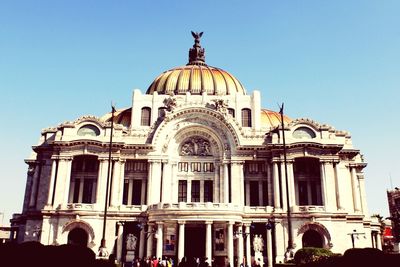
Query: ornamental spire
(196, 53)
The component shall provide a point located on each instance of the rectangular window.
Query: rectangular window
(125, 193)
(137, 192)
(246, 117)
(195, 191)
(254, 193)
(208, 191)
(208, 167)
(195, 167)
(303, 193)
(183, 166)
(76, 191)
(265, 193)
(87, 191)
(182, 191)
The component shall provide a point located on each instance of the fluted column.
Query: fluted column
(355, 189)
(159, 248)
(248, 248)
(226, 183)
(325, 200)
(166, 182)
(181, 241)
(150, 239)
(330, 185)
(292, 200)
(363, 195)
(275, 177)
(240, 246)
(120, 183)
(115, 183)
(101, 183)
(379, 241)
(270, 185)
(62, 182)
(154, 186)
(216, 195)
(283, 186)
(230, 243)
(51, 183)
(339, 203)
(281, 241)
(208, 242)
(32, 199)
(237, 187)
(142, 240)
(119, 241)
(269, 248)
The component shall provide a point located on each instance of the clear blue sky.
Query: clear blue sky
(336, 62)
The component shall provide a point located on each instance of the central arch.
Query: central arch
(78, 236)
(312, 238)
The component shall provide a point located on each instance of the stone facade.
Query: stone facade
(199, 174)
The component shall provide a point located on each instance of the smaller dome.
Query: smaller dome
(121, 116)
(271, 118)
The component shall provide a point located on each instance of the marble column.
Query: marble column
(120, 241)
(208, 242)
(248, 248)
(330, 185)
(142, 241)
(275, 178)
(166, 182)
(324, 185)
(62, 182)
(292, 199)
(159, 247)
(101, 183)
(51, 182)
(154, 187)
(281, 241)
(32, 199)
(121, 181)
(339, 203)
(240, 246)
(270, 185)
(269, 248)
(115, 184)
(363, 195)
(216, 195)
(226, 183)
(181, 241)
(283, 186)
(355, 189)
(230, 243)
(150, 239)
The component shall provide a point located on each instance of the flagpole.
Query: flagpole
(289, 250)
(102, 249)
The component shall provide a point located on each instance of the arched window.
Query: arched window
(83, 181)
(303, 132)
(88, 130)
(307, 182)
(246, 117)
(145, 119)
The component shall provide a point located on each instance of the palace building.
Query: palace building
(197, 168)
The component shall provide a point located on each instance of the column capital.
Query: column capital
(181, 222)
(237, 162)
(153, 161)
(209, 222)
(231, 223)
(160, 223)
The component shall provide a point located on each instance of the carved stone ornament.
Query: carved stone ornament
(170, 103)
(221, 105)
(196, 146)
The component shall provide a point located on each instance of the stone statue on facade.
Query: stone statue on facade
(196, 146)
(221, 105)
(131, 241)
(258, 243)
(170, 103)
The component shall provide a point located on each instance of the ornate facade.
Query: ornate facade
(197, 168)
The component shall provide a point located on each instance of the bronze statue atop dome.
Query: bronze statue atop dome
(197, 53)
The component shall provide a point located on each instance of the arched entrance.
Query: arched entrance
(312, 238)
(78, 236)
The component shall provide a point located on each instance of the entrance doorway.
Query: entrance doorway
(195, 241)
(78, 236)
(312, 238)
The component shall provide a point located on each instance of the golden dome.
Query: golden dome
(196, 77)
(271, 118)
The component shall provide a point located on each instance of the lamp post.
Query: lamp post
(289, 249)
(103, 253)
